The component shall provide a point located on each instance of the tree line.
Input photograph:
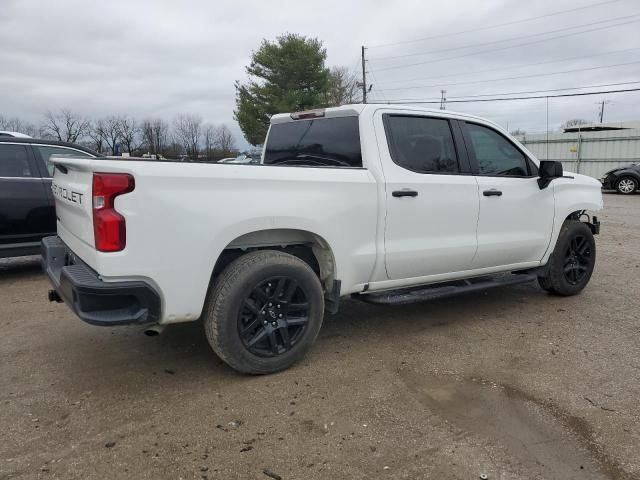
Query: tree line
(187, 136)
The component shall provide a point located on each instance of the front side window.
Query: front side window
(421, 144)
(495, 154)
(46, 151)
(323, 142)
(14, 161)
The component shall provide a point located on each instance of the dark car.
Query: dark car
(625, 179)
(27, 209)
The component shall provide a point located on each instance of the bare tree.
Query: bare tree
(518, 131)
(209, 136)
(65, 126)
(223, 139)
(188, 129)
(14, 124)
(128, 131)
(155, 135)
(146, 130)
(111, 132)
(343, 87)
(96, 133)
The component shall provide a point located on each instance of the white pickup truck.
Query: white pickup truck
(388, 204)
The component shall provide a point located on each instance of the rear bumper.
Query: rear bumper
(94, 301)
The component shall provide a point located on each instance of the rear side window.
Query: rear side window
(421, 144)
(14, 162)
(496, 155)
(332, 142)
(46, 152)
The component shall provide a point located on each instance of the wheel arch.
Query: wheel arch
(571, 198)
(628, 172)
(310, 247)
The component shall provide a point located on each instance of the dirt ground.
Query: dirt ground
(512, 383)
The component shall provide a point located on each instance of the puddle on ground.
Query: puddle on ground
(529, 431)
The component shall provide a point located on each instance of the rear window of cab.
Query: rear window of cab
(319, 142)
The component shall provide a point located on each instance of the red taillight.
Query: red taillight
(108, 225)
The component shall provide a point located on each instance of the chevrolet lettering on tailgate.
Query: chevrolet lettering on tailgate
(66, 194)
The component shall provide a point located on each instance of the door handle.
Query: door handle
(405, 193)
(492, 193)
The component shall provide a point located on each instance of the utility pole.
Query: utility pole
(602, 111)
(602, 104)
(443, 99)
(364, 77)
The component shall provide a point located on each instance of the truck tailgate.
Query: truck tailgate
(71, 187)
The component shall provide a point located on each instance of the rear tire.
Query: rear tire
(571, 264)
(264, 312)
(626, 185)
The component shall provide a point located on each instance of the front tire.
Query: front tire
(264, 312)
(571, 264)
(626, 185)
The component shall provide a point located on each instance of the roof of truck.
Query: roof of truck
(357, 108)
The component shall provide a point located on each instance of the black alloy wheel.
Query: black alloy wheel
(577, 260)
(572, 261)
(264, 311)
(273, 316)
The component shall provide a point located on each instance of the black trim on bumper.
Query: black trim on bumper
(608, 183)
(94, 301)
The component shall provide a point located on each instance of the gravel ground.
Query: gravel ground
(512, 383)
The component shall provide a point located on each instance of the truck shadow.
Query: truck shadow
(183, 348)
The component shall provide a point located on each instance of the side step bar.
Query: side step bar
(443, 290)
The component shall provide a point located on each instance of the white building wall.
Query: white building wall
(589, 153)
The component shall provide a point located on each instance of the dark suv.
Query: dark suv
(27, 209)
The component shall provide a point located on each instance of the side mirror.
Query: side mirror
(547, 171)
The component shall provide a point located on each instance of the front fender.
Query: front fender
(572, 193)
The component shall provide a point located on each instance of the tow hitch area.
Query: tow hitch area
(54, 297)
(443, 290)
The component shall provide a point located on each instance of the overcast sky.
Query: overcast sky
(161, 58)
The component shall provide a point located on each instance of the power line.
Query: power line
(526, 92)
(508, 78)
(523, 65)
(579, 94)
(493, 42)
(393, 67)
(493, 26)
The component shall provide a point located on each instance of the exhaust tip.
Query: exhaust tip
(154, 330)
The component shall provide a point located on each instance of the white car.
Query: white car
(6, 133)
(384, 203)
(241, 160)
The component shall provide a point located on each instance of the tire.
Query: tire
(626, 185)
(255, 317)
(571, 264)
